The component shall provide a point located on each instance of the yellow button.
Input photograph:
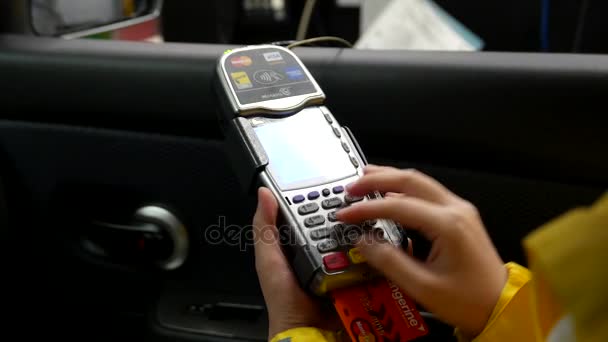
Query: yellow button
(355, 256)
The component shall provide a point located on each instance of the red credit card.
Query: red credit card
(378, 311)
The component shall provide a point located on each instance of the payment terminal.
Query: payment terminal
(282, 136)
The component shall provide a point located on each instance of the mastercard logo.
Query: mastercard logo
(241, 61)
(363, 331)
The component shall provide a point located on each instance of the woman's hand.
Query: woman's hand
(288, 305)
(463, 276)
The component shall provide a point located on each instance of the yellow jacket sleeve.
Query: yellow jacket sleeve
(569, 260)
(566, 282)
(305, 334)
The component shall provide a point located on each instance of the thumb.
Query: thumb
(268, 253)
(266, 211)
(395, 264)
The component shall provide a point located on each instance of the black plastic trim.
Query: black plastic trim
(519, 114)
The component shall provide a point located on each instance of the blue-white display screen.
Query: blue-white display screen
(303, 151)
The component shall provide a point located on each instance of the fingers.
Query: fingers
(268, 252)
(396, 265)
(411, 212)
(408, 182)
(371, 168)
(410, 247)
(393, 195)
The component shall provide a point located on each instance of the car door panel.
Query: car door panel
(92, 130)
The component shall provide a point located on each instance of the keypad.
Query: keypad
(314, 221)
(327, 245)
(334, 240)
(345, 147)
(354, 161)
(328, 118)
(331, 203)
(308, 208)
(320, 234)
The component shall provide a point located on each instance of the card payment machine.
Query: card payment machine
(285, 138)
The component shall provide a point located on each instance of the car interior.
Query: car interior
(98, 135)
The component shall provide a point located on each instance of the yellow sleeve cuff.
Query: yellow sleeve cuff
(510, 320)
(304, 334)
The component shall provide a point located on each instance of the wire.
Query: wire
(544, 24)
(284, 43)
(307, 12)
(51, 10)
(580, 26)
(319, 40)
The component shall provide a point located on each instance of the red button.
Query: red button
(335, 261)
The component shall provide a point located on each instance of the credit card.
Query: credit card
(379, 311)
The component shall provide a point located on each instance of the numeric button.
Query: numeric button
(332, 217)
(352, 199)
(351, 234)
(331, 203)
(320, 234)
(314, 221)
(327, 245)
(308, 208)
(370, 223)
(339, 228)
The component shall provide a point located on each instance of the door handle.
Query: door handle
(155, 237)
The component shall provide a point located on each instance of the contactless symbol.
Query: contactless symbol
(241, 80)
(294, 73)
(267, 77)
(241, 61)
(273, 57)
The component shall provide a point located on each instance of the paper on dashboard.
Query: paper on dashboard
(417, 25)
